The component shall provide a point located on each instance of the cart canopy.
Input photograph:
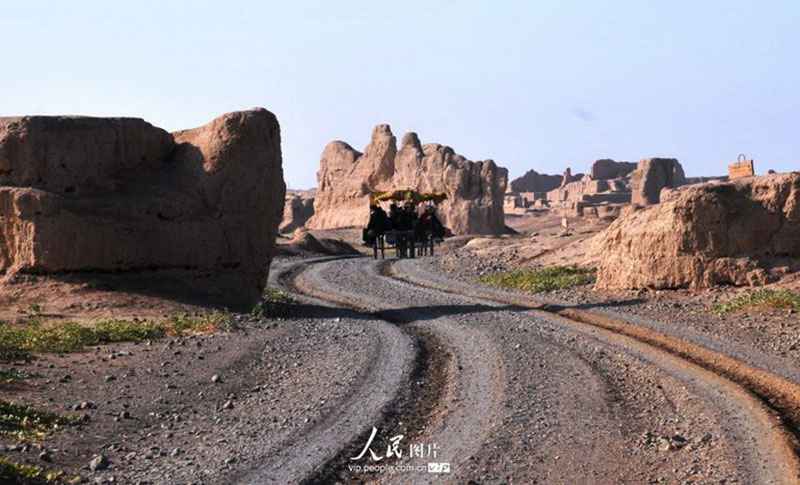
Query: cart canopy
(408, 194)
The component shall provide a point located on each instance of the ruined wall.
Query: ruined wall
(475, 189)
(743, 232)
(116, 194)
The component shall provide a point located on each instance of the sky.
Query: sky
(530, 84)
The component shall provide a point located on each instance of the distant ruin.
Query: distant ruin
(652, 175)
(609, 186)
(346, 177)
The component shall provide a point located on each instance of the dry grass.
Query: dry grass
(21, 422)
(540, 280)
(15, 473)
(18, 340)
(762, 298)
(274, 304)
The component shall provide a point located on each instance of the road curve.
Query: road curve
(530, 397)
(308, 453)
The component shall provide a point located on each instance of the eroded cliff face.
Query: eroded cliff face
(474, 189)
(744, 232)
(117, 194)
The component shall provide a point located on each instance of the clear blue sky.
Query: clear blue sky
(530, 84)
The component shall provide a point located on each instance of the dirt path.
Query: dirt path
(530, 397)
(305, 454)
(473, 396)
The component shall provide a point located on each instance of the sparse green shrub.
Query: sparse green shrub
(206, 322)
(8, 376)
(539, 280)
(20, 421)
(36, 307)
(18, 340)
(274, 303)
(16, 473)
(761, 298)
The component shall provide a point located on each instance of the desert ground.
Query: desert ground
(169, 313)
(633, 387)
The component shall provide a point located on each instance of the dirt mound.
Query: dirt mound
(474, 189)
(117, 194)
(745, 232)
(304, 243)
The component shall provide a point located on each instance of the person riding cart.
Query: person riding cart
(403, 226)
(429, 224)
(377, 225)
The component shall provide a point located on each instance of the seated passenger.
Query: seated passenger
(377, 225)
(393, 211)
(407, 219)
(430, 224)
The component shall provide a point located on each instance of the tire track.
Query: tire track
(469, 397)
(308, 455)
(775, 400)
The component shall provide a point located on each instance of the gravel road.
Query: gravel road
(534, 398)
(497, 392)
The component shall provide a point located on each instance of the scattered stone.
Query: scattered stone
(99, 462)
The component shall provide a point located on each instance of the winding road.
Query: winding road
(496, 387)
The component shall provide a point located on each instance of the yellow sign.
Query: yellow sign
(742, 168)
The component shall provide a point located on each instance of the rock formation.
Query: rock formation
(297, 210)
(84, 194)
(652, 175)
(744, 232)
(533, 181)
(474, 189)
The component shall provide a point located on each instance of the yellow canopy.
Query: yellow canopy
(408, 194)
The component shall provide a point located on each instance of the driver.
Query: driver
(378, 224)
(407, 219)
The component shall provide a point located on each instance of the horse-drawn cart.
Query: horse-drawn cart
(408, 233)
